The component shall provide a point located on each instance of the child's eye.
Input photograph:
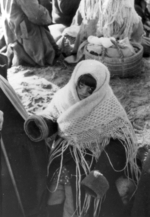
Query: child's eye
(90, 90)
(81, 85)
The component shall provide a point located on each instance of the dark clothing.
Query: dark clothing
(64, 10)
(112, 205)
(116, 153)
(25, 27)
(141, 207)
(28, 161)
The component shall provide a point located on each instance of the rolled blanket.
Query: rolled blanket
(36, 128)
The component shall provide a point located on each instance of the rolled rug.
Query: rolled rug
(95, 184)
(36, 128)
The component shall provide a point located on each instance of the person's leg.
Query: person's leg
(69, 203)
(55, 201)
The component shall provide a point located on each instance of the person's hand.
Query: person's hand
(1, 120)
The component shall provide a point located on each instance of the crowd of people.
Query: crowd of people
(93, 169)
(46, 23)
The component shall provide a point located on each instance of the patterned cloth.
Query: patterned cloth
(64, 176)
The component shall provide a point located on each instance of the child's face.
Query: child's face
(84, 91)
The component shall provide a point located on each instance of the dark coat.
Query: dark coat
(28, 161)
(141, 207)
(64, 10)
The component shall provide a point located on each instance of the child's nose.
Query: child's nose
(85, 91)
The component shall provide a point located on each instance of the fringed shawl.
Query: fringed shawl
(115, 18)
(89, 124)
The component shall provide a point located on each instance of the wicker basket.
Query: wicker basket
(121, 67)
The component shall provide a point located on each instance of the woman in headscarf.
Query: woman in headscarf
(94, 133)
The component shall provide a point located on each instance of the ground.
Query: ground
(36, 87)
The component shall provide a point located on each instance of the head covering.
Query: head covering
(89, 124)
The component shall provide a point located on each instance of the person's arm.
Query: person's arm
(35, 12)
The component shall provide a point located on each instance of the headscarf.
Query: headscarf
(89, 124)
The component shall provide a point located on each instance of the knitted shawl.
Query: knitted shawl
(89, 124)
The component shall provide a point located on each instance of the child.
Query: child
(93, 133)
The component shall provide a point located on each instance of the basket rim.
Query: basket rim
(134, 44)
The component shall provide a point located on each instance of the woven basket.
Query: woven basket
(121, 67)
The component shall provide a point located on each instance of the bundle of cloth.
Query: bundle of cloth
(112, 47)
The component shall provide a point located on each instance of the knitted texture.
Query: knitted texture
(91, 123)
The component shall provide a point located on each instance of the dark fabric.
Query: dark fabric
(29, 21)
(70, 165)
(52, 126)
(140, 12)
(112, 205)
(64, 10)
(28, 162)
(141, 207)
(116, 152)
(3, 65)
(47, 4)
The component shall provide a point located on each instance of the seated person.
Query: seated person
(88, 130)
(26, 34)
(101, 19)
